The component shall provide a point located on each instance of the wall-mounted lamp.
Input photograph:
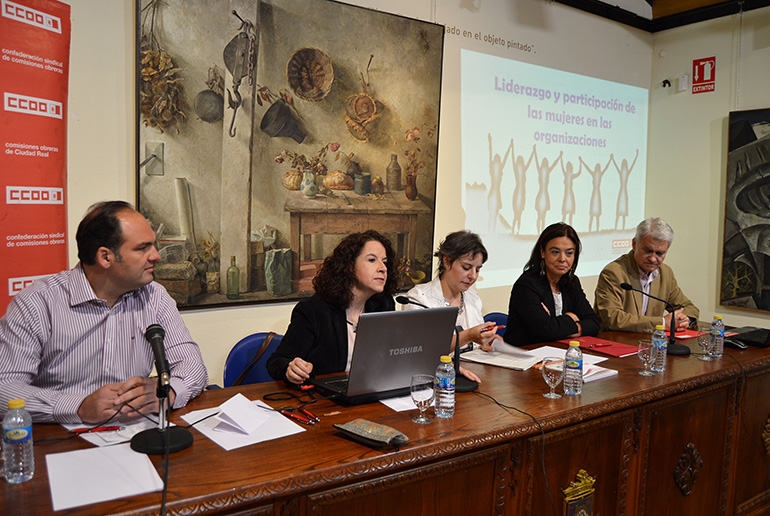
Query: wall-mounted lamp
(666, 83)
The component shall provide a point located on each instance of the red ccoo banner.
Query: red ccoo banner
(34, 73)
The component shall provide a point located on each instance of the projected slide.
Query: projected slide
(541, 146)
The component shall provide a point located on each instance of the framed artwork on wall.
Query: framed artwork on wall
(746, 254)
(268, 130)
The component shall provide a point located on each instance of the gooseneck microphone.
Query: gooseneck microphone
(462, 384)
(156, 441)
(406, 300)
(673, 347)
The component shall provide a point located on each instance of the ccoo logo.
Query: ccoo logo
(33, 195)
(16, 285)
(31, 16)
(32, 105)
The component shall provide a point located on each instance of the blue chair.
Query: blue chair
(499, 318)
(243, 354)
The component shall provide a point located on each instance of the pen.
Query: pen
(600, 345)
(310, 415)
(297, 417)
(97, 429)
(494, 328)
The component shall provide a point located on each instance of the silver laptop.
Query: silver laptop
(391, 347)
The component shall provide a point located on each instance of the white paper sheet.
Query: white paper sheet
(95, 475)
(126, 432)
(240, 414)
(400, 403)
(277, 426)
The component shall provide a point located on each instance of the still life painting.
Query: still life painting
(268, 130)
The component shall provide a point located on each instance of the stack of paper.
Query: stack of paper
(504, 355)
(595, 372)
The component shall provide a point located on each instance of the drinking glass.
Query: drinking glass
(553, 372)
(645, 355)
(704, 341)
(422, 396)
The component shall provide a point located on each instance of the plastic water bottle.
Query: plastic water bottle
(717, 337)
(573, 369)
(659, 348)
(445, 388)
(18, 457)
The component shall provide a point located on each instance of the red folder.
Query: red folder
(607, 347)
(691, 334)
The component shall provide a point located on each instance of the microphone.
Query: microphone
(156, 441)
(673, 347)
(155, 334)
(406, 300)
(462, 384)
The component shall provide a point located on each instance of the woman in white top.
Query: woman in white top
(460, 258)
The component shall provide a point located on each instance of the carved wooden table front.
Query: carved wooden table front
(669, 444)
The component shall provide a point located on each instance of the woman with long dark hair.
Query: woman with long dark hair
(547, 302)
(359, 276)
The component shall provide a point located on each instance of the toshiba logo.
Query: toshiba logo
(32, 105)
(405, 351)
(33, 195)
(16, 285)
(31, 16)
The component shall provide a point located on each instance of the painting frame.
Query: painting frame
(367, 116)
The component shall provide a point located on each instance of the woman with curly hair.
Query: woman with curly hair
(547, 302)
(359, 276)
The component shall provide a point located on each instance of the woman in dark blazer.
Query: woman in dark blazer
(547, 302)
(359, 276)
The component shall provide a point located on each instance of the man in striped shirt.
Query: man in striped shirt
(72, 344)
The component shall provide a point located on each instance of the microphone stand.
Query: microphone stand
(673, 347)
(462, 384)
(155, 441)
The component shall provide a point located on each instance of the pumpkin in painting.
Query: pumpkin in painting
(292, 179)
(338, 180)
(378, 187)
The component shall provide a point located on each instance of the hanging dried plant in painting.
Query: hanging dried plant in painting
(362, 111)
(160, 93)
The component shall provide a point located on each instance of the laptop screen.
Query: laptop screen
(391, 347)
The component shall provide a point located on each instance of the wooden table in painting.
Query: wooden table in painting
(678, 443)
(347, 212)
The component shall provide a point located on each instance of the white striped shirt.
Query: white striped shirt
(59, 343)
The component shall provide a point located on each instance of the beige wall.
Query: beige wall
(687, 151)
(687, 133)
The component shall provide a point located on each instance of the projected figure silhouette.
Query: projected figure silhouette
(568, 205)
(519, 191)
(623, 171)
(595, 209)
(543, 201)
(496, 178)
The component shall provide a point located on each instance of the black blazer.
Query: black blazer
(528, 323)
(318, 333)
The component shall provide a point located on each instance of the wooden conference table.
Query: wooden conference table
(647, 442)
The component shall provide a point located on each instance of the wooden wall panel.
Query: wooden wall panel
(603, 447)
(694, 431)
